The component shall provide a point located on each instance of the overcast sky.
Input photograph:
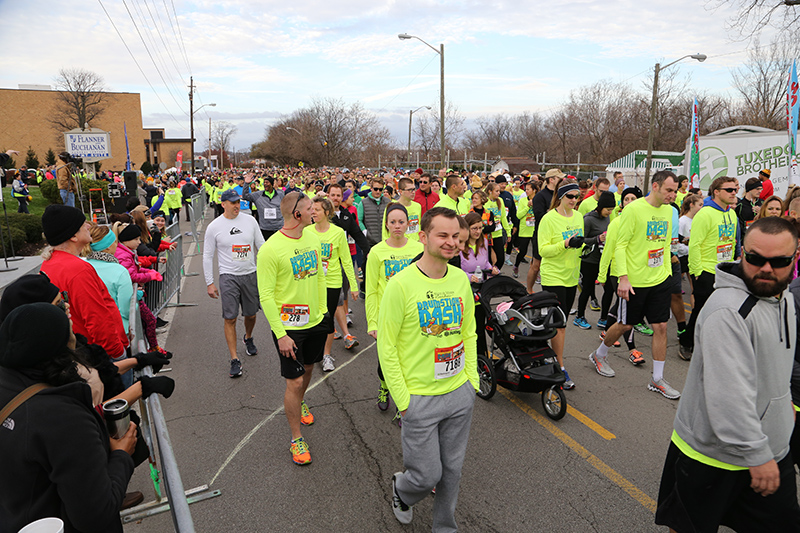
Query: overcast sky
(258, 60)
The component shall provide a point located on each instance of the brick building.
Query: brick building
(24, 123)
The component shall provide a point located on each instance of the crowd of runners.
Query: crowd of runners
(303, 244)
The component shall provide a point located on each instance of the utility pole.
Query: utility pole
(191, 123)
(209, 141)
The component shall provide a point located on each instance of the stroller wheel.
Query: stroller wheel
(554, 402)
(488, 383)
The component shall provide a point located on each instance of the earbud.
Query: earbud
(297, 215)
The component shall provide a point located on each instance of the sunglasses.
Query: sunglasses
(758, 260)
(299, 197)
(572, 196)
(410, 189)
(424, 182)
(377, 188)
(729, 189)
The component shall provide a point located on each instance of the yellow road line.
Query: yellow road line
(614, 476)
(591, 424)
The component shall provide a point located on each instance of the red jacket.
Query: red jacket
(425, 200)
(94, 313)
(766, 189)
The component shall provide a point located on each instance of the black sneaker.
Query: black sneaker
(402, 512)
(250, 346)
(160, 322)
(236, 368)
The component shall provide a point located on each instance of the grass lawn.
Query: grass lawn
(36, 207)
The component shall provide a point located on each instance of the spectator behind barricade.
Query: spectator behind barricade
(100, 254)
(58, 457)
(129, 236)
(94, 313)
(147, 250)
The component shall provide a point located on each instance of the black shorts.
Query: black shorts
(651, 302)
(310, 347)
(699, 498)
(684, 259)
(675, 279)
(535, 246)
(565, 295)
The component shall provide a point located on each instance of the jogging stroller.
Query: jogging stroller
(522, 359)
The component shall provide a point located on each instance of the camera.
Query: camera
(68, 158)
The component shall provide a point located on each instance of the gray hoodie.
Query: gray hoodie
(736, 406)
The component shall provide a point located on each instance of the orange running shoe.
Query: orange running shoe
(300, 453)
(306, 418)
(636, 358)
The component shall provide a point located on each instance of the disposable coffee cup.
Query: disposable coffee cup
(118, 417)
(45, 525)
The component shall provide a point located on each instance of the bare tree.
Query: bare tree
(752, 16)
(761, 85)
(427, 128)
(81, 98)
(222, 134)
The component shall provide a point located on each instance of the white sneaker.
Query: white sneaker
(666, 390)
(327, 363)
(601, 365)
(404, 513)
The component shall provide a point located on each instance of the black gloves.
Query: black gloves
(160, 384)
(154, 359)
(576, 241)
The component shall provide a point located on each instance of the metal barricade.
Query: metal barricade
(160, 293)
(195, 208)
(154, 429)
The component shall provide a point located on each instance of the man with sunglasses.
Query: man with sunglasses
(424, 195)
(715, 231)
(728, 461)
(374, 205)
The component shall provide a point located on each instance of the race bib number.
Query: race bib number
(240, 252)
(497, 227)
(325, 267)
(655, 258)
(270, 213)
(530, 222)
(295, 315)
(725, 252)
(448, 361)
(413, 225)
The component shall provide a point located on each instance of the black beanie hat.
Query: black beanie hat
(130, 232)
(27, 289)
(22, 344)
(631, 190)
(605, 200)
(61, 222)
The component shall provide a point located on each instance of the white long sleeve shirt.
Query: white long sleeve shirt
(235, 243)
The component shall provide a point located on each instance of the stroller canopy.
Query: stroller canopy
(502, 286)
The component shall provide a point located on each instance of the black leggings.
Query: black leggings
(589, 273)
(499, 250)
(480, 328)
(522, 244)
(333, 300)
(702, 287)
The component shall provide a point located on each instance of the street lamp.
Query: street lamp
(440, 51)
(410, 114)
(192, 111)
(294, 130)
(659, 68)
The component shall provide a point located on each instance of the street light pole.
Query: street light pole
(410, 114)
(440, 51)
(191, 122)
(653, 106)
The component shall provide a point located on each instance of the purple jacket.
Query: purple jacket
(470, 263)
(129, 260)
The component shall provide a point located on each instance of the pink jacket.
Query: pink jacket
(129, 260)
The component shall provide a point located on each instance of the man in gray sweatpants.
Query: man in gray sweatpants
(428, 353)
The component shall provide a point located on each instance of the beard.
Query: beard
(764, 285)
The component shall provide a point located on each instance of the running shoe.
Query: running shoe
(593, 305)
(603, 337)
(306, 418)
(601, 365)
(404, 513)
(666, 390)
(508, 261)
(684, 352)
(524, 259)
(349, 321)
(300, 453)
(636, 358)
(569, 384)
(602, 324)
(573, 311)
(250, 346)
(161, 323)
(236, 368)
(327, 363)
(581, 323)
(643, 329)
(516, 272)
(337, 335)
(350, 342)
(397, 418)
(383, 398)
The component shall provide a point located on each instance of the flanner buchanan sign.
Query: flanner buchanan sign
(88, 145)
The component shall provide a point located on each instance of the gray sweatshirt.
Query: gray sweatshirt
(269, 208)
(736, 405)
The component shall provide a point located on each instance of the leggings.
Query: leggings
(149, 325)
(499, 250)
(522, 244)
(589, 272)
(702, 287)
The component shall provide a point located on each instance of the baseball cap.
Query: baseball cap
(554, 173)
(230, 196)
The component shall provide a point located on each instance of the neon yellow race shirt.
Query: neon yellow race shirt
(560, 266)
(335, 255)
(643, 244)
(383, 263)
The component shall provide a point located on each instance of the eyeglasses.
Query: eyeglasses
(729, 189)
(759, 260)
(572, 196)
(410, 189)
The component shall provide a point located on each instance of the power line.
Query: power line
(161, 36)
(181, 43)
(151, 57)
(137, 64)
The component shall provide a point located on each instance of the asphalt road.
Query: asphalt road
(598, 469)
